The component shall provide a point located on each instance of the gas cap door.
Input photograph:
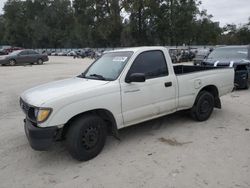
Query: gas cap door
(197, 84)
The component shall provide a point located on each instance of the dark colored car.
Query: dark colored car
(237, 57)
(23, 57)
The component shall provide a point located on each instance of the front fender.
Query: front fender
(110, 102)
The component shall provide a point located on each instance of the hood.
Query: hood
(225, 61)
(37, 96)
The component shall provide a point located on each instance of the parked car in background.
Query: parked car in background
(54, 53)
(201, 55)
(80, 54)
(63, 53)
(98, 54)
(72, 53)
(179, 55)
(237, 57)
(23, 57)
(88, 52)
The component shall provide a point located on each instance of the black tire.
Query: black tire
(12, 62)
(39, 61)
(86, 137)
(247, 84)
(203, 106)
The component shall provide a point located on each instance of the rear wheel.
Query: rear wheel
(247, 84)
(86, 137)
(12, 62)
(39, 61)
(203, 106)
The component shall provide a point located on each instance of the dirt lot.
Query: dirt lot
(173, 151)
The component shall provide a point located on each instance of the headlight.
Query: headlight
(42, 114)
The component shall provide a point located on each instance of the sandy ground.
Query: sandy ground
(173, 151)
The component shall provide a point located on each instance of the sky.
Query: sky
(224, 11)
(228, 11)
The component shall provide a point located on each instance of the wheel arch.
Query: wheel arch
(215, 92)
(105, 114)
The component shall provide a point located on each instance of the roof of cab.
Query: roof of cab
(135, 49)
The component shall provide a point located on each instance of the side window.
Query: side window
(151, 63)
(23, 53)
(31, 52)
(34, 52)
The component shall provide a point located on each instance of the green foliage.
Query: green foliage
(233, 35)
(112, 23)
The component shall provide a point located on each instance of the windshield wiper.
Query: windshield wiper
(98, 76)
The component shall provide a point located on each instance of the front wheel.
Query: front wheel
(86, 137)
(12, 62)
(203, 106)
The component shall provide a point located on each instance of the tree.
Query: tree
(2, 30)
(15, 22)
(100, 23)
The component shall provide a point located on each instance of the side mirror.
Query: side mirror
(136, 77)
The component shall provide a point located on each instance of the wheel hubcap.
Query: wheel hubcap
(90, 137)
(205, 107)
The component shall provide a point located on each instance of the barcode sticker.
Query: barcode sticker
(120, 59)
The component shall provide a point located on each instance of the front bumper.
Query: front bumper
(39, 138)
(3, 61)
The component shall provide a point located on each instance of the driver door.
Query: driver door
(23, 57)
(139, 98)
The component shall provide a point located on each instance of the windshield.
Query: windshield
(229, 53)
(15, 52)
(108, 67)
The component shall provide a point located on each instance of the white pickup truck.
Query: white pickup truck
(122, 88)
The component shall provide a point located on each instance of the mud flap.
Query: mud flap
(217, 103)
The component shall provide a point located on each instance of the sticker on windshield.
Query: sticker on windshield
(120, 59)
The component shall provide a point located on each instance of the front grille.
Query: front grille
(28, 110)
(24, 106)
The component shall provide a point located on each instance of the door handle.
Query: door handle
(132, 91)
(168, 84)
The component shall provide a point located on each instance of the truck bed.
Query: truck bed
(184, 69)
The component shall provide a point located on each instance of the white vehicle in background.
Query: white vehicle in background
(63, 53)
(72, 53)
(120, 89)
(54, 54)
